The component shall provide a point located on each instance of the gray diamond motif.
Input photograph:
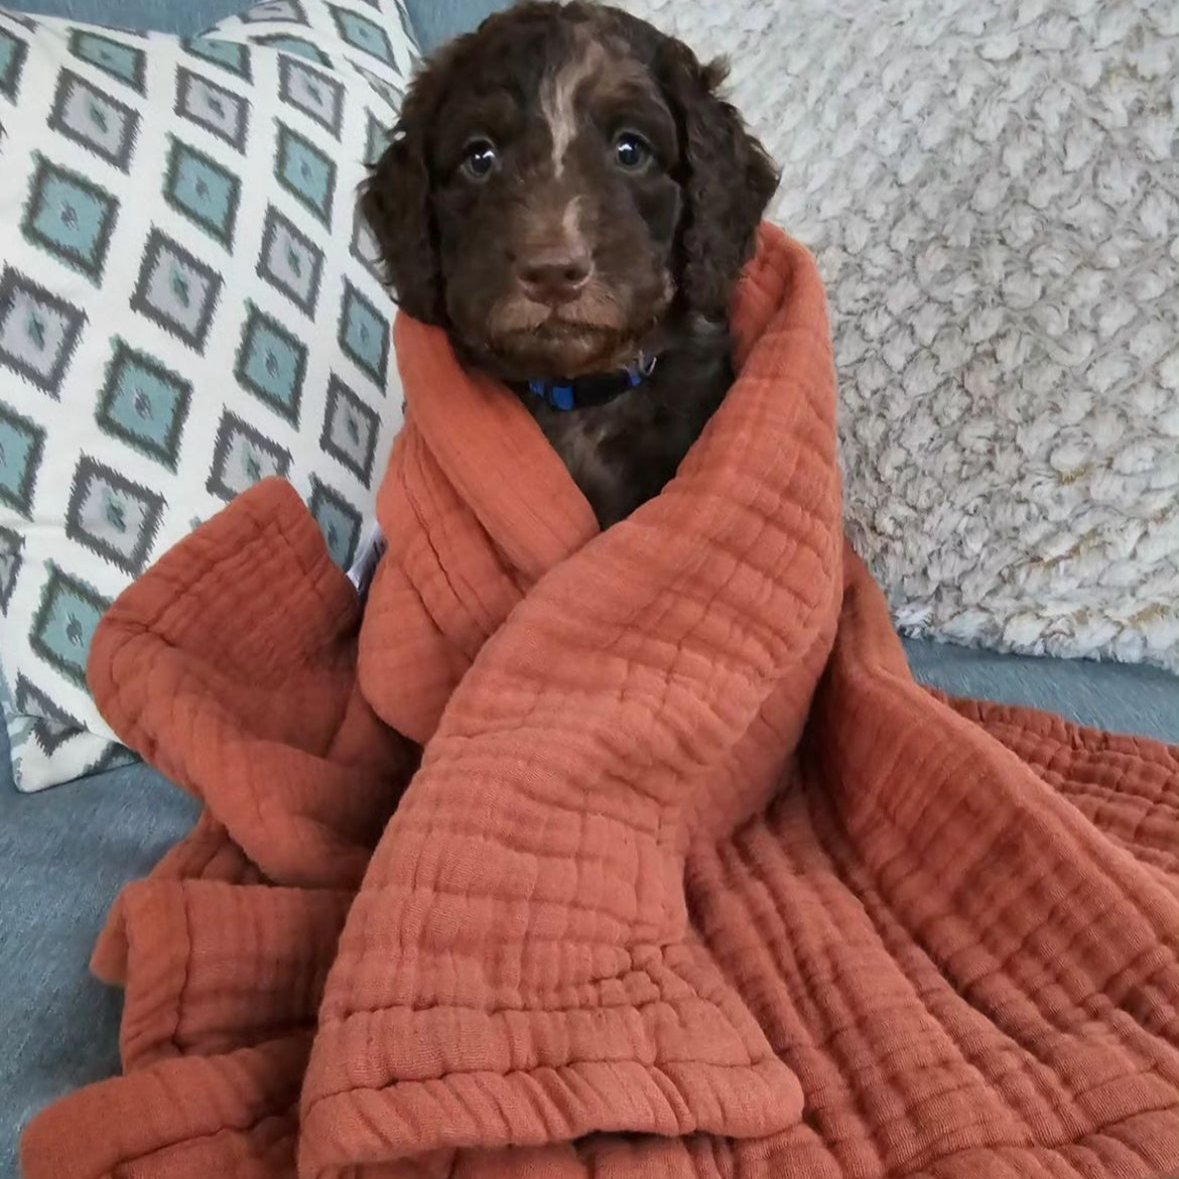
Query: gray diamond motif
(11, 544)
(38, 331)
(376, 139)
(176, 290)
(242, 457)
(221, 112)
(384, 90)
(52, 726)
(112, 516)
(350, 430)
(319, 97)
(364, 246)
(290, 261)
(99, 123)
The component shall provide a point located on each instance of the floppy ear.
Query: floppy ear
(730, 180)
(395, 201)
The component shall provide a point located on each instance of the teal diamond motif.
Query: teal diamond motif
(338, 520)
(70, 217)
(306, 173)
(22, 443)
(144, 404)
(364, 335)
(13, 52)
(285, 43)
(202, 190)
(364, 34)
(65, 623)
(271, 363)
(227, 54)
(124, 62)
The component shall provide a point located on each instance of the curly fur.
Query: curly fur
(667, 245)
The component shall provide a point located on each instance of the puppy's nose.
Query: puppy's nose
(554, 276)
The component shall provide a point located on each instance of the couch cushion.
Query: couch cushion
(436, 21)
(64, 855)
(433, 20)
(183, 17)
(1118, 697)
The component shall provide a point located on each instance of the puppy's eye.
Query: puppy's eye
(631, 151)
(479, 160)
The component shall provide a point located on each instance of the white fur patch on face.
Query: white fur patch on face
(571, 224)
(557, 94)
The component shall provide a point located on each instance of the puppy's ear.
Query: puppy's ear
(395, 201)
(730, 180)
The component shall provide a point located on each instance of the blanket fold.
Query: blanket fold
(625, 854)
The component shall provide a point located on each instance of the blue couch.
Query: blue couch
(65, 854)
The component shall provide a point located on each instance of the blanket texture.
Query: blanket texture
(991, 190)
(689, 877)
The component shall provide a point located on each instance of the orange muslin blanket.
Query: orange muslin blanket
(692, 879)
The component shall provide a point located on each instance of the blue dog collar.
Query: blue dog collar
(599, 389)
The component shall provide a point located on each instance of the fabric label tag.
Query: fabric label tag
(371, 550)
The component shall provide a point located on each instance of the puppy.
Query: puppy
(567, 196)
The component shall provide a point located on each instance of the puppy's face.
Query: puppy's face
(555, 204)
(549, 191)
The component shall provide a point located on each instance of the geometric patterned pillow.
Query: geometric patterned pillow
(188, 303)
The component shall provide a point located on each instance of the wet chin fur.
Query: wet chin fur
(559, 350)
(522, 341)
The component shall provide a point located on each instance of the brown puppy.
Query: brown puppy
(566, 194)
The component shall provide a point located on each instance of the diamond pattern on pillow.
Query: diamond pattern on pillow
(188, 304)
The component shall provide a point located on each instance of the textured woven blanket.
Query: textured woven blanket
(991, 191)
(690, 878)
